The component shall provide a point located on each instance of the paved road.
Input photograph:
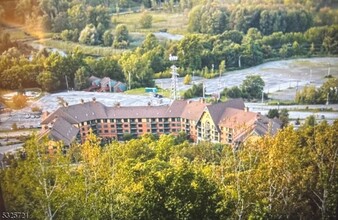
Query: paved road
(10, 148)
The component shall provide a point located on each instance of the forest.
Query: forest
(292, 175)
(230, 36)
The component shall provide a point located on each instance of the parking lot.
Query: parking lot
(22, 120)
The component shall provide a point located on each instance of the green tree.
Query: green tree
(252, 87)
(284, 117)
(80, 79)
(194, 91)
(48, 81)
(273, 113)
(121, 39)
(187, 79)
(233, 92)
(108, 38)
(89, 35)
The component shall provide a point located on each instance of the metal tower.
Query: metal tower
(174, 81)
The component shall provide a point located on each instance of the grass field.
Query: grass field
(68, 46)
(173, 23)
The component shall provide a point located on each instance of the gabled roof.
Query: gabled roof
(235, 118)
(193, 110)
(63, 130)
(78, 113)
(217, 110)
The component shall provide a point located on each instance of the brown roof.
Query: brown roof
(78, 113)
(217, 110)
(247, 123)
(193, 110)
(137, 112)
(63, 130)
(233, 118)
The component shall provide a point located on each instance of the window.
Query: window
(105, 131)
(105, 126)
(125, 125)
(113, 131)
(160, 119)
(105, 120)
(112, 126)
(140, 130)
(125, 120)
(139, 125)
(139, 120)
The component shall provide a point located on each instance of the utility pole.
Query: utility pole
(239, 61)
(67, 83)
(203, 86)
(129, 80)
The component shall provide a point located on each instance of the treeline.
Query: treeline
(291, 175)
(327, 93)
(213, 19)
(203, 55)
(52, 71)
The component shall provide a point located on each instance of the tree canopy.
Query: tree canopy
(289, 174)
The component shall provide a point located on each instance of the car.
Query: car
(27, 116)
(158, 95)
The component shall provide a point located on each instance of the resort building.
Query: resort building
(224, 122)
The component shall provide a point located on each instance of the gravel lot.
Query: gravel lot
(281, 77)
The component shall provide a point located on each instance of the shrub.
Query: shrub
(146, 20)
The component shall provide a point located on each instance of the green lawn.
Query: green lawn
(174, 23)
(68, 46)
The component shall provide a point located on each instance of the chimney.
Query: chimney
(82, 101)
(246, 109)
(149, 103)
(66, 104)
(44, 115)
(258, 116)
(94, 99)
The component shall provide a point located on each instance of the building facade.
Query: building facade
(224, 122)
